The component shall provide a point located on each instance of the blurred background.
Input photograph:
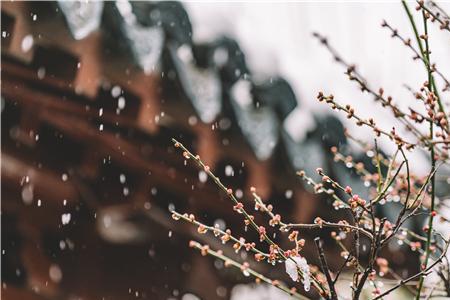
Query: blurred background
(93, 92)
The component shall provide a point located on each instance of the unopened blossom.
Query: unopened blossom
(238, 207)
(319, 221)
(293, 235)
(348, 190)
(275, 220)
(383, 264)
(202, 229)
(301, 243)
(204, 250)
(226, 237)
(259, 257)
(262, 233)
(249, 246)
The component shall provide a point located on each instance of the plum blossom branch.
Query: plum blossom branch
(245, 268)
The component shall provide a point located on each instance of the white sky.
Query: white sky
(276, 38)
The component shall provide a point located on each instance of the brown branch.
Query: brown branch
(331, 225)
(374, 252)
(325, 269)
(424, 272)
(407, 43)
(445, 25)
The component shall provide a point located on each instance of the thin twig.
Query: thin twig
(325, 269)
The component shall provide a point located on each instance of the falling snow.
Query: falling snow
(116, 91)
(121, 103)
(229, 171)
(202, 176)
(122, 178)
(65, 218)
(27, 43)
